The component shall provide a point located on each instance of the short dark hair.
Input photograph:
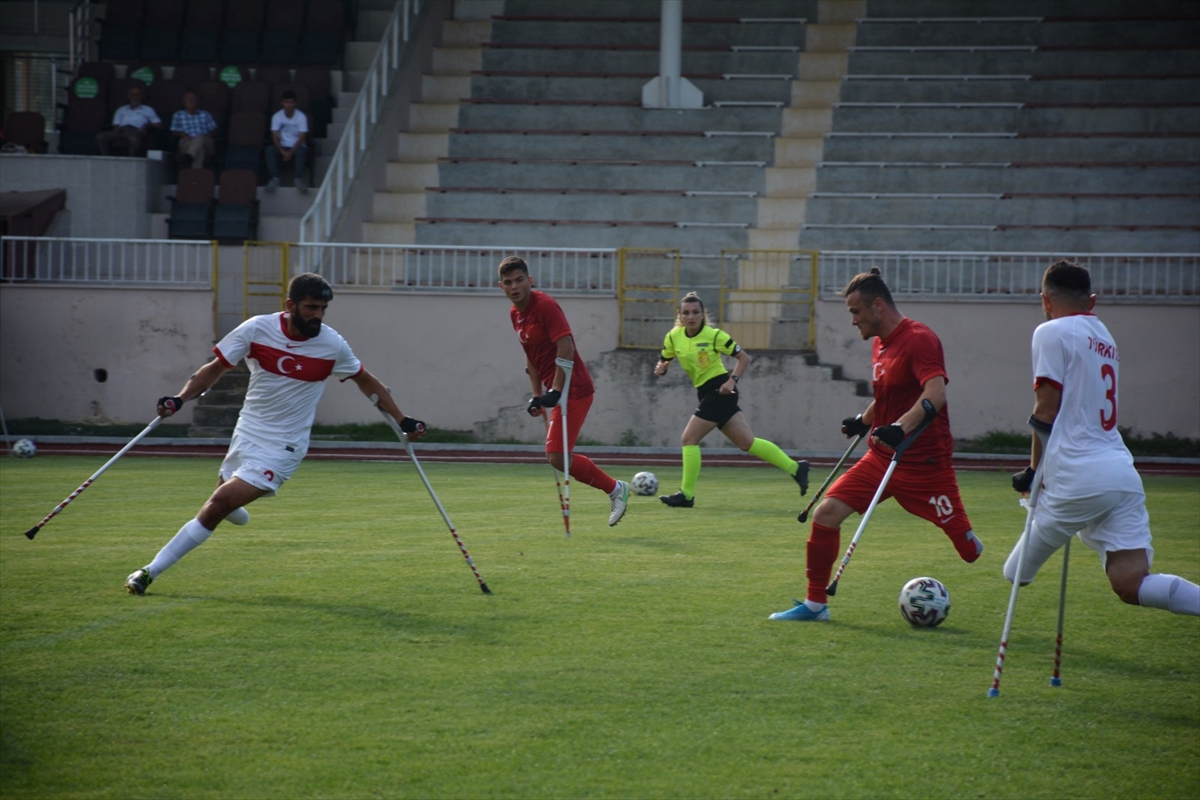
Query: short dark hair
(870, 285)
(1068, 282)
(288, 94)
(513, 264)
(309, 284)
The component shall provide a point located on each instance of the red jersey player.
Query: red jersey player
(545, 335)
(908, 375)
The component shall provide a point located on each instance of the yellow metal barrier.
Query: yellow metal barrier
(768, 298)
(265, 277)
(647, 291)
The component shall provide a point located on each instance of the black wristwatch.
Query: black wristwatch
(735, 377)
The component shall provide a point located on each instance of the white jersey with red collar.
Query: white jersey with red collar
(287, 376)
(1085, 455)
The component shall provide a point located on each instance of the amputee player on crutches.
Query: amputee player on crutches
(545, 336)
(1089, 483)
(909, 382)
(290, 356)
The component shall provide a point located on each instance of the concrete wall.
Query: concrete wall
(454, 361)
(108, 197)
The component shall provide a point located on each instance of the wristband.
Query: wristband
(1038, 425)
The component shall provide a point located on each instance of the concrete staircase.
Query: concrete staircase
(216, 411)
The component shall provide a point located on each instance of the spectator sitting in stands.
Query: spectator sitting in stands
(131, 123)
(289, 130)
(192, 127)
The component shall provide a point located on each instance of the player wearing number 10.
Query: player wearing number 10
(1089, 484)
(909, 383)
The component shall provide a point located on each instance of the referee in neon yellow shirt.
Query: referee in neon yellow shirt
(699, 347)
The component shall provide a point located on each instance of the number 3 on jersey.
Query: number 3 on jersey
(1108, 375)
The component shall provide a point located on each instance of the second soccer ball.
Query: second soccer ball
(24, 448)
(644, 483)
(925, 602)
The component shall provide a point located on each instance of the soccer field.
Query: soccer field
(339, 646)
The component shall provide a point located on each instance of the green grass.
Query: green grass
(338, 646)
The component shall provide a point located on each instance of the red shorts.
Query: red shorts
(576, 413)
(928, 491)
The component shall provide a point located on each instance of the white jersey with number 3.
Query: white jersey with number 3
(1085, 455)
(287, 377)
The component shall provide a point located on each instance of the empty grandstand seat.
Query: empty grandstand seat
(119, 29)
(320, 96)
(27, 129)
(252, 96)
(202, 30)
(146, 73)
(84, 115)
(272, 76)
(166, 97)
(235, 218)
(192, 205)
(243, 31)
(232, 75)
(102, 71)
(321, 42)
(214, 98)
(281, 32)
(247, 138)
(161, 31)
(192, 75)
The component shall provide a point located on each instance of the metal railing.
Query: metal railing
(454, 269)
(158, 262)
(647, 293)
(768, 298)
(318, 223)
(1118, 277)
(79, 21)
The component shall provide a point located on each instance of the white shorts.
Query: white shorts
(264, 467)
(1106, 523)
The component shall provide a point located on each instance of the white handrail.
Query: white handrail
(318, 222)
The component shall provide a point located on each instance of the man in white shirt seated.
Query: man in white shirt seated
(131, 124)
(289, 135)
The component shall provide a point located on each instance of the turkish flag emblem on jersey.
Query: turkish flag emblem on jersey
(290, 364)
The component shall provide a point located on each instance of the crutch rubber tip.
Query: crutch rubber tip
(993, 692)
(32, 532)
(802, 516)
(485, 588)
(1056, 681)
(831, 589)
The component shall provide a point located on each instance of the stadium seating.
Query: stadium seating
(84, 115)
(27, 129)
(202, 30)
(192, 205)
(235, 218)
(247, 138)
(243, 31)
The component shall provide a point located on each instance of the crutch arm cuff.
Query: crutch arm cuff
(1039, 425)
(930, 411)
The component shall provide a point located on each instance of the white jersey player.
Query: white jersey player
(1089, 484)
(290, 355)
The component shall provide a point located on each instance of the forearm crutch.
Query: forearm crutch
(32, 532)
(413, 457)
(803, 516)
(1035, 491)
(567, 367)
(831, 590)
(557, 474)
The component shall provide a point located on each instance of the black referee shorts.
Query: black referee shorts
(714, 406)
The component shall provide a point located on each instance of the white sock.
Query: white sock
(190, 536)
(813, 605)
(239, 516)
(1170, 592)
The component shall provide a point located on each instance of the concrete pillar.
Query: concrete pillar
(670, 89)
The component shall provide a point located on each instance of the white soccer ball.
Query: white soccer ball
(645, 484)
(925, 602)
(24, 448)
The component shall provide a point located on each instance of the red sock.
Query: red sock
(585, 471)
(969, 549)
(823, 547)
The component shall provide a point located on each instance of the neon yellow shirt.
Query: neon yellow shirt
(700, 355)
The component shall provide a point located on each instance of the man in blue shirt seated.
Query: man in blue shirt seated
(192, 127)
